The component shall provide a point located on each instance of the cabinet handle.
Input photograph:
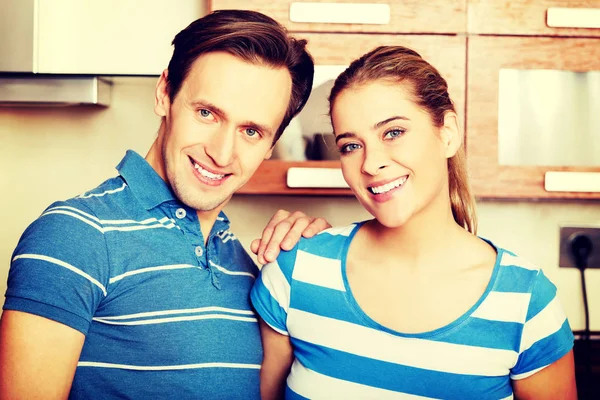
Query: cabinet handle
(562, 181)
(340, 13)
(562, 17)
(306, 177)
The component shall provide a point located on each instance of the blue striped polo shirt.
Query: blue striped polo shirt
(164, 315)
(515, 329)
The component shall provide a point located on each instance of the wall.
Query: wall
(55, 153)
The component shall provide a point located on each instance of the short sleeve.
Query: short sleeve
(546, 336)
(59, 269)
(271, 292)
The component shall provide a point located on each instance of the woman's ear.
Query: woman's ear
(162, 102)
(450, 134)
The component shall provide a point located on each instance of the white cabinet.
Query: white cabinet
(96, 37)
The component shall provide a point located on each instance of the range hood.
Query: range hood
(53, 90)
(26, 54)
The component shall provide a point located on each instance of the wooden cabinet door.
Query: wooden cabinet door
(446, 53)
(486, 57)
(539, 17)
(374, 16)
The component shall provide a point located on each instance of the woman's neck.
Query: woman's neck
(425, 239)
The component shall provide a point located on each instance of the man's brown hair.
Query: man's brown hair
(254, 38)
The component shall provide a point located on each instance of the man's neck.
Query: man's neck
(207, 220)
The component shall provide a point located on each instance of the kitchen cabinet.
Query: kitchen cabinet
(484, 48)
(109, 37)
(339, 32)
(373, 16)
(539, 17)
(490, 58)
(447, 53)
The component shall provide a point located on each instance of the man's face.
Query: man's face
(219, 128)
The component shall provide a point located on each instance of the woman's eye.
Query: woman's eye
(348, 148)
(393, 133)
(251, 132)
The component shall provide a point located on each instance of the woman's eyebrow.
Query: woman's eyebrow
(388, 120)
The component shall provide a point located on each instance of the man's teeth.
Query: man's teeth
(388, 186)
(208, 174)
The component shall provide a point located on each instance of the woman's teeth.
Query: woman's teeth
(388, 186)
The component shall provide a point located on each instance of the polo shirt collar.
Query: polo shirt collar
(147, 186)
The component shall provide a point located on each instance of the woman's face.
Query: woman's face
(393, 157)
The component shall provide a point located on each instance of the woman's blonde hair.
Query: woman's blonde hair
(400, 64)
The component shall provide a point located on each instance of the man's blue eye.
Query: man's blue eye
(251, 132)
(205, 113)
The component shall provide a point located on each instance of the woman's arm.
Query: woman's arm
(277, 360)
(556, 381)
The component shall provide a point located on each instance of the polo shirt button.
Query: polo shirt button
(180, 213)
(199, 251)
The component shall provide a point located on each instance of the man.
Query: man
(137, 288)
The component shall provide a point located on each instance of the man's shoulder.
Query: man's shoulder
(112, 199)
(112, 192)
(69, 231)
(108, 201)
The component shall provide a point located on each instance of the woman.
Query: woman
(411, 303)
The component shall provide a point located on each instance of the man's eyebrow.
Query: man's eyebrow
(388, 120)
(211, 107)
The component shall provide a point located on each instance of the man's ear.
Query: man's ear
(162, 101)
(450, 134)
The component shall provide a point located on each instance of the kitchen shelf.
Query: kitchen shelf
(271, 178)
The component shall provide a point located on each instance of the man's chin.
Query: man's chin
(205, 206)
(204, 200)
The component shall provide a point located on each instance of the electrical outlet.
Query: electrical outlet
(567, 233)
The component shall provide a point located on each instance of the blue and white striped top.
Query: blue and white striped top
(164, 315)
(516, 328)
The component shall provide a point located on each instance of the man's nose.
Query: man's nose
(221, 148)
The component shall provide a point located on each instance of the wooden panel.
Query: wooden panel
(407, 16)
(446, 53)
(522, 17)
(270, 178)
(487, 55)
